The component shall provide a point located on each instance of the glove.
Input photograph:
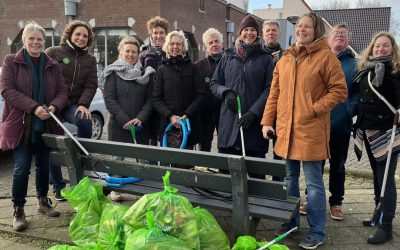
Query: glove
(231, 101)
(246, 120)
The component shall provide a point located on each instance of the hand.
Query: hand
(84, 112)
(175, 120)
(231, 101)
(266, 131)
(246, 120)
(41, 113)
(275, 56)
(134, 121)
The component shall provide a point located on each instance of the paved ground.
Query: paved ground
(348, 234)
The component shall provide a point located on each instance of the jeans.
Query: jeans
(22, 164)
(339, 145)
(390, 195)
(316, 196)
(84, 130)
(209, 122)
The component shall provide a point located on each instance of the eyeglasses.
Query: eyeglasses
(338, 33)
(175, 44)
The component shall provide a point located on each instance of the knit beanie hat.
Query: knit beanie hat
(248, 21)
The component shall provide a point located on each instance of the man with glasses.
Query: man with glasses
(341, 122)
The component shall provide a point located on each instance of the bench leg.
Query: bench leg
(254, 221)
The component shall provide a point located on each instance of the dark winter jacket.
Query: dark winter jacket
(79, 71)
(271, 50)
(149, 56)
(342, 114)
(126, 100)
(16, 89)
(178, 91)
(372, 113)
(206, 68)
(251, 80)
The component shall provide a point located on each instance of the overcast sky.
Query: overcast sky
(261, 4)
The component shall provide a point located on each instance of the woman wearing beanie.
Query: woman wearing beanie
(308, 83)
(80, 74)
(244, 71)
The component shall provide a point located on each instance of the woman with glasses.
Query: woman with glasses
(178, 91)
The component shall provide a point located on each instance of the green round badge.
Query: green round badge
(207, 79)
(65, 60)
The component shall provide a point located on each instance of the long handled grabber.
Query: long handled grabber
(241, 129)
(110, 181)
(277, 239)
(378, 213)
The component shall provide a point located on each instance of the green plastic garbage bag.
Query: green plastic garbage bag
(210, 233)
(84, 227)
(82, 192)
(173, 214)
(250, 243)
(89, 246)
(153, 238)
(112, 235)
(65, 247)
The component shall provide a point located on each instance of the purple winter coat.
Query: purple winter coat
(16, 89)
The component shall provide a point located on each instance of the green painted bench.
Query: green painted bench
(249, 198)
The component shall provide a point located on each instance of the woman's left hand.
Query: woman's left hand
(84, 112)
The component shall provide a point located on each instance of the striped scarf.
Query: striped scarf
(379, 142)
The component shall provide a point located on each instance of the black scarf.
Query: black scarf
(81, 51)
(38, 93)
(377, 65)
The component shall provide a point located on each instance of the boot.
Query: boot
(45, 207)
(19, 219)
(381, 235)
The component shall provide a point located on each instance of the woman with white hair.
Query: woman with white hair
(178, 92)
(29, 80)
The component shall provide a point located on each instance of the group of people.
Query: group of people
(303, 98)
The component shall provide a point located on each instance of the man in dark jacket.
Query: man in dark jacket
(341, 122)
(152, 55)
(209, 116)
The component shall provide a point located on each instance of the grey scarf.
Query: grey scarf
(127, 72)
(377, 65)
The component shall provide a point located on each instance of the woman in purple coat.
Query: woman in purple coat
(30, 79)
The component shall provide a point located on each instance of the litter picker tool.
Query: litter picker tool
(277, 239)
(110, 181)
(240, 128)
(378, 213)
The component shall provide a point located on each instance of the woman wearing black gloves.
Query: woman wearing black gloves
(244, 71)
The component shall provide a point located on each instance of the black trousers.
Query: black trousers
(238, 151)
(390, 196)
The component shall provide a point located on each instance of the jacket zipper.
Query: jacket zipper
(73, 78)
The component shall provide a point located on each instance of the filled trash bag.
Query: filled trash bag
(250, 243)
(81, 193)
(153, 238)
(173, 214)
(84, 228)
(89, 246)
(112, 230)
(210, 233)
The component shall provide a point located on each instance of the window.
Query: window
(106, 43)
(202, 6)
(52, 38)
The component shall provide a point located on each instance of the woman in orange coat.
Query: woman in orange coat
(307, 84)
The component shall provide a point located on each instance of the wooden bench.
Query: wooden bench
(250, 197)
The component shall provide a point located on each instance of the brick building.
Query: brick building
(112, 19)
